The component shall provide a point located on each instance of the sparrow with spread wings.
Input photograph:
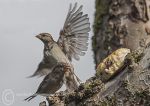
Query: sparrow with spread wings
(72, 43)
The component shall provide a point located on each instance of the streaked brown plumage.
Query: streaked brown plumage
(52, 82)
(72, 43)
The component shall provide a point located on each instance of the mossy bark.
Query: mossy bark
(118, 23)
(129, 87)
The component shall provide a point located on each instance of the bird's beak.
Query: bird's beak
(38, 36)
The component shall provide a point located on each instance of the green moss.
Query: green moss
(135, 56)
(103, 103)
(109, 101)
(145, 94)
(92, 84)
(101, 7)
(84, 91)
(101, 10)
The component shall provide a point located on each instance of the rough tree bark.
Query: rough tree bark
(118, 23)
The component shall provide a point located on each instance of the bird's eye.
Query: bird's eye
(44, 35)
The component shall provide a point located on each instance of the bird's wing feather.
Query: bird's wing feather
(46, 65)
(43, 69)
(74, 36)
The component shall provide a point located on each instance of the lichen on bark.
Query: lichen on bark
(124, 23)
(129, 87)
(118, 23)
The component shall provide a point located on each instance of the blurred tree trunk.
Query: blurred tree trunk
(118, 23)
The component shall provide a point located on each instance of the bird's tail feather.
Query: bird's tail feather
(30, 97)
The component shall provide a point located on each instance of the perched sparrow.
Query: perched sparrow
(52, 82)
(72, 43)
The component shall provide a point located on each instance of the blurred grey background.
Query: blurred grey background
(21, 52)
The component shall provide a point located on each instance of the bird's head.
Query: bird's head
(45, 37)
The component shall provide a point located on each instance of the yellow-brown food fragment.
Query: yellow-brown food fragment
(110, 65)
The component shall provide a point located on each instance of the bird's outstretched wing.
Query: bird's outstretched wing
(44, 68)
(74, 36)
